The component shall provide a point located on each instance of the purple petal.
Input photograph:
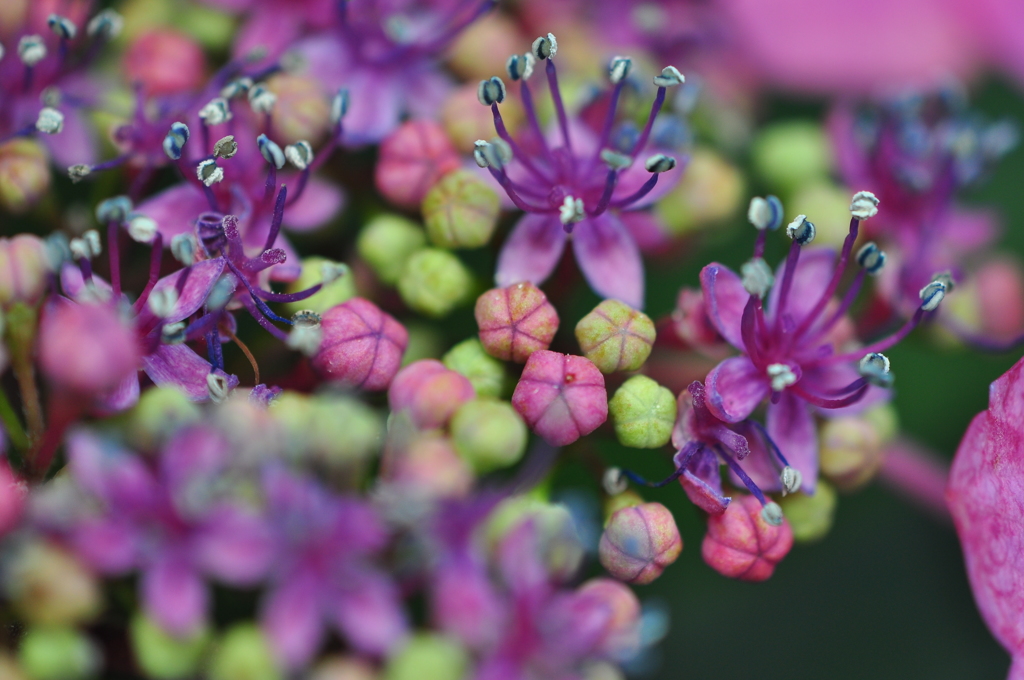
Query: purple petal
(175, 209)
(235, 546)
(73, 285)
(375, 106)
(293, 620)
(109, 546)
(724, 297)
(758, 464)
(320, 202)
(829, 379)
(369, 613)
(197, 287)
(76, 143)
(791, 426)
(735, 388)
(610, 259)
(118, 479)
(178, 366)
(531, 251)
(646, 229)
(174, 595)
(122, 398)
(702, 482)
(268, 29)
(813, 272)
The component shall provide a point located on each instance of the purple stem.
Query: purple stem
(609, 187)
(517, 152)
(834, 282)
(747, 481)
(787, 281)
(647, 187)
(879, 346)
(556, 97)
(275, 222)
(659, 100)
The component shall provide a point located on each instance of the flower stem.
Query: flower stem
(21, 334)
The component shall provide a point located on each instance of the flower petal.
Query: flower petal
(734, 389)
(175, 209)
(174, 595)
(791, 426)
(369, 612)
(235, 546)
(292, 618)
(179, 366)
(702, 482)
(200, 281)
(320, 202)
(531, 251)
(724, 298)
(610, 259)
(813, 272)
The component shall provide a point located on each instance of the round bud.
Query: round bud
(488, 434)
(24, 174)
(58, 653)
(411, 160)
(243, 652)
(429, 467)
(165, 62)
(561, 397)
(461, 211)
(301, 112)
(741, 544)
(343, 668)
(644, 413)
(23, 269)
(49, 587)
(639, 542)
(361, 347)
(165, 657)
(616, 337)
(429, 392)
(434, 282)
(851, 451)
(338, 285)
(792, 154)
(387, 242)
(515, 321)
(161, 412)
(485, 373)
(428, 655)
(810, 516)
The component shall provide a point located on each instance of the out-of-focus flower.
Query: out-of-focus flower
(515, 321)
(486, 373)
(561, 397)
(489, 434)
(23, 269)
(639, 542)
(24, 174)
(164, 656)
(429, 392)
(460, 211)
(412, 160)
(244, 651)
(428, 655)
(434, 282)
(12, 497)
(58, 652)
(362, 346)
(49, 587)
(741, 544)
(164, 61)
(387, 242)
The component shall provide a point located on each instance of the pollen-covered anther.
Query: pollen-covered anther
(175, 140)
(106, 25)
(772, 514)
(669, 77)
(79, 249)
(801, 230)
(142, 228)
(217, 387)
(62, 26)
(791, 480)
(163, 301)
(765, 213)
(209, 173)
(491, 91)
(616, 160)
(493, 154)
(261, 99)
(874, 368)
(183, 248)
(271, 151)
(92, 240)
(339, 106)
(236, 87)
(572, 210)
(618, 68)
(757, 277)
(299, 154)
(114, 209)
(614, 482)
(520, 66)
(306, 334)
(871, 258)
(864, 205)
(173, 333)
(50, 121)
(659, 163)
(781, 376)
(226, 147)
(79, 172)
(932, 294)
(217, 111)
(31, 49)
(544, 47)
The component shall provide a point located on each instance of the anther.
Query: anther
(79, 172)
(659, 163)
(31, 50)
(58, 250)
(217, 387)
(946, 278)
(261, 99)
(299, 154)
(225, 147)
(493, 154)
(79, 249)
(2, 51)
(173, 333)
(216, 111)
(114, 209)
(616, 160)
(271, 151)
(491, 91)
(209, 173)
(106, 24)
(51, 96)
(874, 368)
(801, 230)
(306, 333)
(142, 228)
(92, 240)
(791, 480)
(571, 211)
(619, 68)
(781, 376)
(772, 514)
(520, 66)
(236, 87)
(544, 47)
(62, 26)
(175, 140)
(757, 277)
(765, 213)
(183, 248)
(932, 294)
(221, 292)
(871, 258)
(670, 76)
(339, 106)
(614, 482)
(50, 121)
(162, 302)
(332, 271)
(864, 205)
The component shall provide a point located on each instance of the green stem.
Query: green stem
(22, 321)
(15, 432)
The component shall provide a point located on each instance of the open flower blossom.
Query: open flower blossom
(574, 184)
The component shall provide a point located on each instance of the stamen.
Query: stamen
(491, 91)
(183, 248)
(141, 228)
(236, 87)
(50, 121)
(31, 50)
(339, 106)
(791, 480)
(864, 205)
(226, 147)
(58, 251)
(932, 294)
(106, 25)
(871, 258)
(261, 100)
(217, 387)
(571, 211)
(772, 514)
(781, 375)
(175, 140)
(614, 481)
(220, 293)
(616, 160)
(874, 368)
(544, 47)
(801, 230)
(79, 172)
(271, 152)
(520, 67)
(765, 213)
(162, 302)
(659, 163)
(62, 26)
(209, 173)
(744, 477)
(670, 76)
(217, 111)
(306, 333)
(173, 333)
(757, 277)
(299, 154)
(619, 69)
(277, 218)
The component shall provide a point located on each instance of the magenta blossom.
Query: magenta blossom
(574, 188)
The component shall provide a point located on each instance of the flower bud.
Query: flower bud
(164, 62)
(485, 373)
(49, 587)
(639, 542)
(362, 346)
(334, 431)
(434, 282)
(23, 268)
(562, 397)
(387, 242)
(1000, 297)
(429, 392)
(301, 112)
(710, 190)
(428, 466)
(461, 211)
(465, 121)
(644, 413)
(24, 174)
(58, 654)
(691, 323)
(515, 321)
(335, 290)
(343, 668)
(741, 544)
(162, 656)
(623, 499)
(810, 517)
(161, 412)
(465, 603)
(412, 159)
(243, 652)
(13, 493)
(428, 655)
(616, 337)
(488, 434)
(791, 154)
(557, 539)
(851, 451)
(622, 632)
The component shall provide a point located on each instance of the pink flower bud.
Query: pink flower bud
(561, 396)
(429, 392)
(1000, 298)
(362, 346)
(428, 466)
(639, 542)
(24, 174)
(88, 349)
(165, 62)
(12, 498)
(515, 321)
(740, 544)
(22, 270)
(622, 633)
(412, 159)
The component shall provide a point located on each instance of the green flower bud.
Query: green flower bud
(58, 654)
(434, 282)
(711, 190)
(792, 153)
(626, 499)
(461, 211)
(343, 668)
(810, 517)
(336, 431)
(161, 411)
(24, 174)
(488, 434)
(850, 451)
(162, 656)
(485, 373)
(49, 587)
(387, 242)
(339, 285)
(616, 337)
(428, 655)
(643, 412)
(424, 342)
(244, 654)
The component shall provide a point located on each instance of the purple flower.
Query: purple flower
(575, 184)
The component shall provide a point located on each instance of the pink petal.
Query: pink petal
(702, 482)
(531, 251)
(292, 618)
(724, 298)
(269, 28)
(791, 426)
(108, 546)
(369, 613)
(634, 177)
(178, 366)
(647, 231)
(122, 398)
(197, 287)
(319, 203)
(814, 270)
(175, 209)
(76, 143)
(610, 259)
(235, 546)
(375, 106)
(174, 595)
(735, 387)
